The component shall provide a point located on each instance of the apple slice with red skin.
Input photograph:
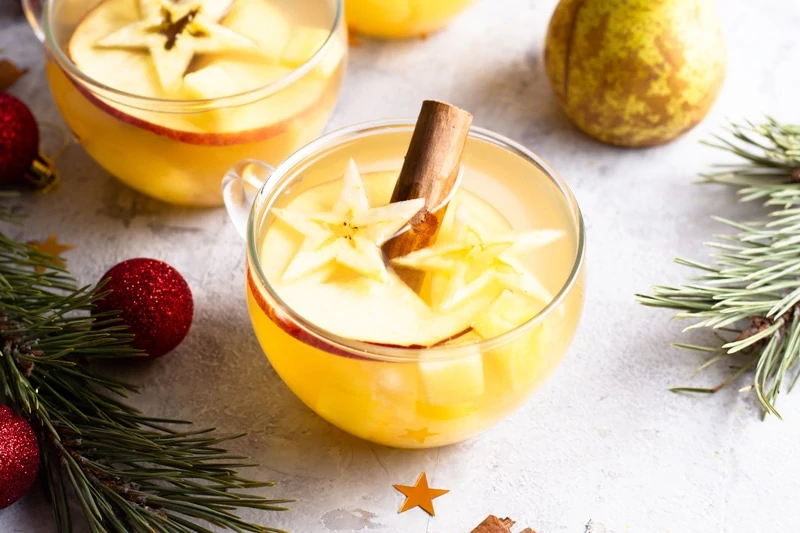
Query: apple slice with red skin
(290, 327)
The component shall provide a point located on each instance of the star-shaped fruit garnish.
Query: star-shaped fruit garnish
(173, 33)
(350, 234)
(420, 495)
(474, 260)
(52, 248)
(419, 435)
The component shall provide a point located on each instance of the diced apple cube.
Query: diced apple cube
(209, 82)
(263, 23)
(452, 381)
(507, 312)
(511, 364)
(305, 42)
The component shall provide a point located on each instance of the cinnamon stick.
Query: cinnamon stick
(492, 524)
(430, 171)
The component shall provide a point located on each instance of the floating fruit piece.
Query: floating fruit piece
(476, 262)
(263, 23)
(208, 83)
(303, 44)
(452, 381)
(513, 362)
(506, 313)
(350, 234)
(635, 72)
(346, 303)
(173, 36)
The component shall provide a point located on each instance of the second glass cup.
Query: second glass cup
(265, 101)
(410, 396)
(402, 18)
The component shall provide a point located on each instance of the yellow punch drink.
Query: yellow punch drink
(168, 94)
(413, 365)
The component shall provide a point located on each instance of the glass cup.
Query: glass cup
(176, 149)
(399, 396)
(401, 18)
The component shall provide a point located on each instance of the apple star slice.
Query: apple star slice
(350, 234)
(213, 9)
(474, 261)
(173, 35)
(346, 303)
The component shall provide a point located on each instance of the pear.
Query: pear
(635, 72)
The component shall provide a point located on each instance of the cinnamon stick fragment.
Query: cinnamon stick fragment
(430, 171)
(492, 524)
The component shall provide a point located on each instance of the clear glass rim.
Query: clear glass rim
(269, 191)
(177, 105)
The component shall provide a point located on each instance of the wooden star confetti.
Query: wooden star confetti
(9, 74)
(173, 33)
(420, 495)
(53, 248)
(419, 435)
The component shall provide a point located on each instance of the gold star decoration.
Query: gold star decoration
(173, 33)
(419, 435)
(473, 259)
(52, 248)
(420, 495)
(350, 235)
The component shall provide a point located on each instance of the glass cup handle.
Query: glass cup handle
(33, 12)
(240, 187)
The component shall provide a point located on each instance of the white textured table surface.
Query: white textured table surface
(603, 440)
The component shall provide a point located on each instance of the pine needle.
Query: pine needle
(752, 290)
(129, 473)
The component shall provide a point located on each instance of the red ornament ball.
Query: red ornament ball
(19, 456)
(19, 138)
(153, 300)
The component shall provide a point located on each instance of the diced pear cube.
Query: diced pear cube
(305, 42)
(453, 381)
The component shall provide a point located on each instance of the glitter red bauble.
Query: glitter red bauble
(19, 138)
(19, 456)
(153, 300)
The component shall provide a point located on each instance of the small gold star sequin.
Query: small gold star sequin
(53, 248)
(420, 495)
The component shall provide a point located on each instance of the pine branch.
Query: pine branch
(750, 296)
(129, 472)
